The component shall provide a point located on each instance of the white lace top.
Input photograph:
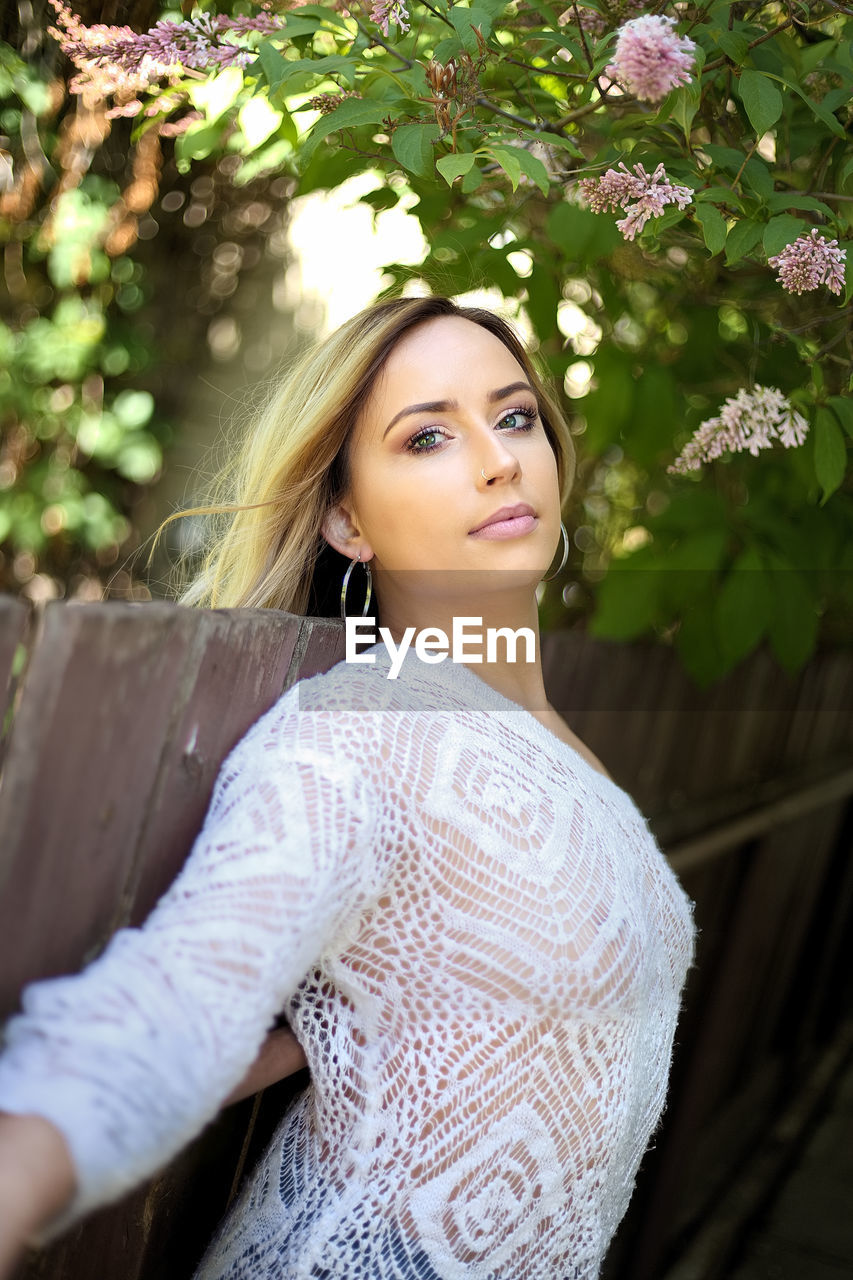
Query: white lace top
(475, 938)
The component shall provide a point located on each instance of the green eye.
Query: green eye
(423, 434)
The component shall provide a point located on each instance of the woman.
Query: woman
(476, 940)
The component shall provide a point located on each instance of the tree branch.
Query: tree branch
(508, 115)
(768, 35)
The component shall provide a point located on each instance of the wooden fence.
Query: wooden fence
(117, 717)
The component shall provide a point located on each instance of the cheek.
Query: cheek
(399, 506)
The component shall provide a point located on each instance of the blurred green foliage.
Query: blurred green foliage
(75, 445)
(647, 337)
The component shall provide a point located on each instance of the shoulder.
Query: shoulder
(340, 715)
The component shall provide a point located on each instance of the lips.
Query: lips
(505, 513)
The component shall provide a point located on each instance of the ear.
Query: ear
(341, 531)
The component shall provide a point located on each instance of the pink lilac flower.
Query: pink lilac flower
(384, 12)
(749, 421)
(810, 261)
(651, 58)
(641, 196)
(116, 59)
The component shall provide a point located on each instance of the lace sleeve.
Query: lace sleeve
(133, 1056)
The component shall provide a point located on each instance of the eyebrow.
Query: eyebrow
(442, 406)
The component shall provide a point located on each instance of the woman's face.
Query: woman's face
(451, 403)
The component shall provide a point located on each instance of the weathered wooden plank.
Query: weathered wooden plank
(833, 729)
(806, 710)
(322, 645)
(82, 758)
(720, 839)
(788, 980)
(234, 667)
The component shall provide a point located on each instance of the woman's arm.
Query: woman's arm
(37, 1178)
(281, 1055)
(131, 1058)
(36, 1181)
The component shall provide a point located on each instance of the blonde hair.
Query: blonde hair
(293, 465)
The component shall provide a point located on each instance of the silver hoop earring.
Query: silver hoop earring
(565, 538)
(345, 584)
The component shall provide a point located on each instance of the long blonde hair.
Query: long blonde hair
(265, 548)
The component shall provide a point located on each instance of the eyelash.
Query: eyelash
(530, 416)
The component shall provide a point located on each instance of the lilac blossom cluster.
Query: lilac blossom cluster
(384, 12)
(327, 102)
(640, 195)
(810, 261)
(751, 421)
(651, 58)
(119, 58)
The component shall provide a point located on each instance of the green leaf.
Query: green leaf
(412, 146)
(718, 195)
(758, 178)
(494, 8)
(761, 99)
(293, 69)
(696, 642)
(842, 407)
(273, 64)
(507, 158)
(297, 27)
(351, 112)
(727, 158)
(472, 180)
(687, 100)
(465, 20)
(826, 117)
(742, 238)
(627, 600)
(714, 229)
(794, 623)
(692, 566)
(783, 200)
(744, 606)
(455, 166)
(321, 13)
(734, 45)
(447, 49)
(830, 453)
(531, 166)
(782, 230)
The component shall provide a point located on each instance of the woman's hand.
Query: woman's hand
(37, 1177)
(37, 1180)
(281, 1055)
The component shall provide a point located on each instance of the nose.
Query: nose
(497, 460)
